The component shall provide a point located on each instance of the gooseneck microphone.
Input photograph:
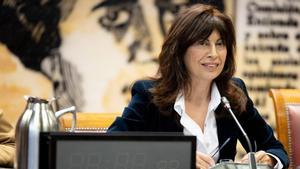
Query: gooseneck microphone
(252, 161)
(227, 106)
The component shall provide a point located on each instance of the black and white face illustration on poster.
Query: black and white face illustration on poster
(91, 51)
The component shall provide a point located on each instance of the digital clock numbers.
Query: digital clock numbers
(121, 161)
(122, 155)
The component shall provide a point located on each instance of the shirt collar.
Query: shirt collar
(215, 100)
(179, 104)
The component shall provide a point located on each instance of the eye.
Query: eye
(203, 42)
(116, 18)
(220, 43)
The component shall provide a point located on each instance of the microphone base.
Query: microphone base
(233, 165)
(252, 161)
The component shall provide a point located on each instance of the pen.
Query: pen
(219, 148)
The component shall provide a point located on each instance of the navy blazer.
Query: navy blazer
(142, 115)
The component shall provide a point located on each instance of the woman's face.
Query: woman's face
(205, 59)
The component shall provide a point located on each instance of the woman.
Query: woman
(196, 66)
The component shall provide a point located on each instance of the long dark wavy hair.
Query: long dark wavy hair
(191, 25)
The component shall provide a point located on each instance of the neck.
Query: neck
(199, 92)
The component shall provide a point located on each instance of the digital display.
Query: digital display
(124, 155)
(101, 151)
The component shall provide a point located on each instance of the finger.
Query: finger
(206, 158)
(200, 164)
(244, 159)
(268, 160)
(204, 161)
(265, 159)
(260, 155)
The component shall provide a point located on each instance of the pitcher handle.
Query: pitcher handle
(71, 109)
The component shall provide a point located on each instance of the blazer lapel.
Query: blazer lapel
(225, 129)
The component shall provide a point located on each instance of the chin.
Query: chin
(212, 77)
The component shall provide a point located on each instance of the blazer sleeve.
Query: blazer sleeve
(259, 132)
(135, 114)
(7, 143)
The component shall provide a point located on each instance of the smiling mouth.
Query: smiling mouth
(210, 66)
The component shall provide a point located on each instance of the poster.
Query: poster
(84, 53)
(268, 43)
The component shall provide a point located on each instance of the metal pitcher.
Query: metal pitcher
(37, 117)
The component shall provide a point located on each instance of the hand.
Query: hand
(203, 161)
(261, 157)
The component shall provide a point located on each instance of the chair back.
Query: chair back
(89, 122)
(287, 115)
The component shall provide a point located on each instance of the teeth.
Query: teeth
(211, 65)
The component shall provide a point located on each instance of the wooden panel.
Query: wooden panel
(89, 121)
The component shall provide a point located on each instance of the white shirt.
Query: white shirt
(207, 140)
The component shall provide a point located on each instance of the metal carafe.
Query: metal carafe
(37, 117)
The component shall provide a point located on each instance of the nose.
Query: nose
(213, 51)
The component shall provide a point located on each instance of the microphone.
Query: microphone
(252, 160)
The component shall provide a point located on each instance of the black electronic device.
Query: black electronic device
(61, 150)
